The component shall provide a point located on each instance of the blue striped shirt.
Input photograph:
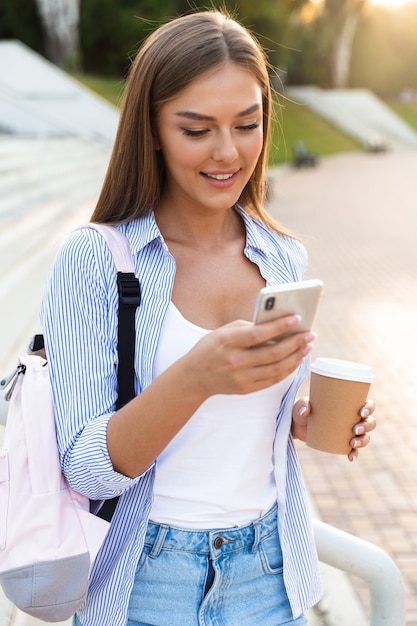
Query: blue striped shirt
(79, 319)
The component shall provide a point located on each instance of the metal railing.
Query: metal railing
(365, 560)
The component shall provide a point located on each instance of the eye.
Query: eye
(194, 133)
(249, 127)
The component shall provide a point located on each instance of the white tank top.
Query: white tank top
(218, 470)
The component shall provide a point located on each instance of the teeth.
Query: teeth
(220, 176)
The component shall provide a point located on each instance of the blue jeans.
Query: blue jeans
(230, 577)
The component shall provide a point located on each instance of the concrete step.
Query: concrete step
(33, 173)
(32, 226)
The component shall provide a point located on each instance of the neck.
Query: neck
(199, 230)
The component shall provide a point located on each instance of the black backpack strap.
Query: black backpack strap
(129, 299)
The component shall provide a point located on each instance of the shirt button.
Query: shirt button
(218, 542)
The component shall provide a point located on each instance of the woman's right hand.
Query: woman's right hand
(235, 359)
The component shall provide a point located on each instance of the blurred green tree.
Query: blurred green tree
(111, 31)
(124, 24)
(19, 19)
(325, 42)
(385, 51)
(60, 21)
(334, 31)
(274, 23)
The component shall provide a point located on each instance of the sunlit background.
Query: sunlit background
(391, 3)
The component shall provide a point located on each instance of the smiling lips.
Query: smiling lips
(220, 177)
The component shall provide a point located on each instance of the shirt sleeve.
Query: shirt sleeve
(79, 320)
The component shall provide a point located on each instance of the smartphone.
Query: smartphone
(300, 298)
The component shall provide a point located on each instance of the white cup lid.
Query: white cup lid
(346, 370)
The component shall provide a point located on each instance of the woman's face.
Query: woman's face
(210, 135)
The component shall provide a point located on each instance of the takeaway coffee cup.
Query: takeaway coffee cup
(338, 390)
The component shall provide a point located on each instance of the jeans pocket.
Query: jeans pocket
(271, 554)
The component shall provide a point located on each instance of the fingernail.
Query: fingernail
(359, 430)
(302, 411)
(364, 413)
(310, 337)
(307, 349)
(294, 320)
(356, 443)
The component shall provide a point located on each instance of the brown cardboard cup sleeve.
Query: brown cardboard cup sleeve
(338, 390)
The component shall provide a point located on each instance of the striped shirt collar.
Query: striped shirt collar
(144, 230)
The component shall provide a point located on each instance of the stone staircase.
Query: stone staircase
(47, 186)
(358, 113)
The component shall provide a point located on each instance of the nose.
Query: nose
(225, 149)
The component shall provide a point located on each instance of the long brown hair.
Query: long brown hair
(169, 60)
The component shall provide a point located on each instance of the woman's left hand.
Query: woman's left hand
(361, 430)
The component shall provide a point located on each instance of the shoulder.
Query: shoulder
(84, 247)
(83, 261)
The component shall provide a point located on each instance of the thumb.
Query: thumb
(302, 407)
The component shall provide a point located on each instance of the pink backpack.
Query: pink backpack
(48, 537)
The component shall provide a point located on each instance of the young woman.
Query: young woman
(212, 526)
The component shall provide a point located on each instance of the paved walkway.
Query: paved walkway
(357, 215)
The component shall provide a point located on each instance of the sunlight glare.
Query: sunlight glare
(391, 3)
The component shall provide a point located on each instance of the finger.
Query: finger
(360, 442)
(353, 455)
(276, 371)
(366, 425)
(271, 362)
(300, 412)
(258, 334)
(243, 335)
(264, 376)
(301, 407)
(299, 343)
(368, 408)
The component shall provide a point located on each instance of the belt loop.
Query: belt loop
(159, 541)
(257, 534)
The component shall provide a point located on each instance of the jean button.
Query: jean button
(218, 542)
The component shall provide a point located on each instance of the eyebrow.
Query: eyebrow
(192, 115)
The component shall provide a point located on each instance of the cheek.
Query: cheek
(251, 148)
(184, 156)
(258, 145)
